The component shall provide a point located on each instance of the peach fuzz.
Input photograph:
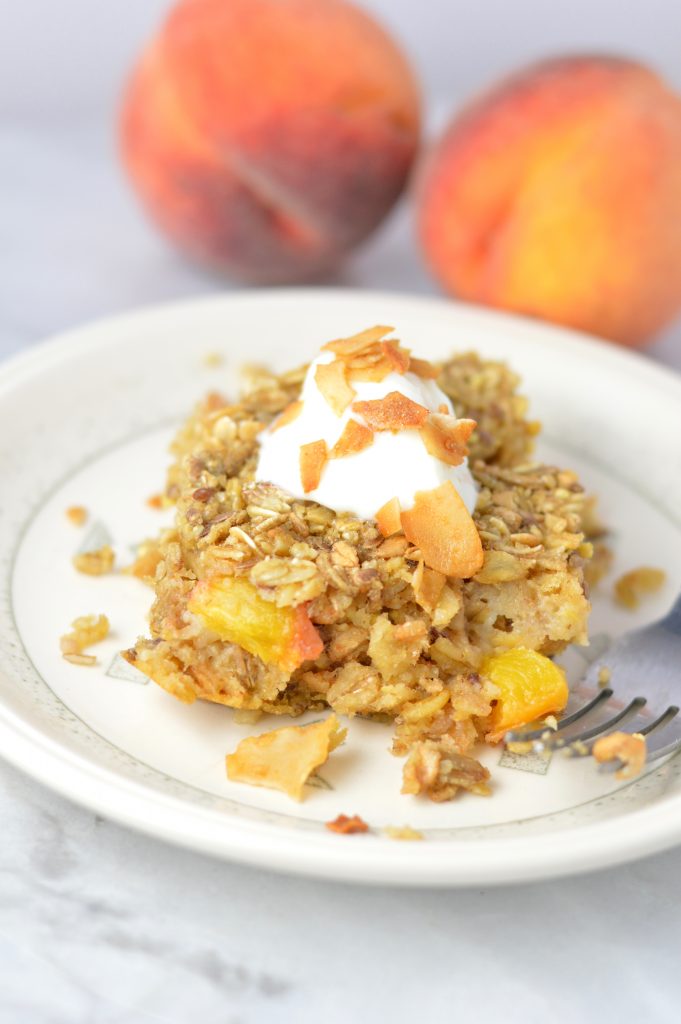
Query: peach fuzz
(267, 138)
(558, 195)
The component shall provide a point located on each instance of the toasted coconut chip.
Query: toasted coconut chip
(388, 518)
(397, 356)
(629, 748)
(285, 758)
(355, 438)
(422, 368)
(441, 527)
(332, 382)
(394, 412)
(290, 413)
(370, 373)
(347, 826)
(357, 342)
(446, 437)
(428, 586)
(313, 458)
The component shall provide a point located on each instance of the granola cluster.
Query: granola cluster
(400, 640)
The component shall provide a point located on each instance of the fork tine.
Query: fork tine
(622, 716)
(522, 736)
(663, 719)
(578, 745)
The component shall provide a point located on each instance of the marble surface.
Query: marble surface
(99, 925)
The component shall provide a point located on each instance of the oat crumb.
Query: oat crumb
(95, 563)
(629, 748)
(403, 832)
(212, 360)
(155, 501)
(604, 676)
(85, 631)
(80, 659)
(633, 586)
(76, 514)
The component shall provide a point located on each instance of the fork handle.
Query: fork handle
(672, 621)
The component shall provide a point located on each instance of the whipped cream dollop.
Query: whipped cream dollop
(394, 465)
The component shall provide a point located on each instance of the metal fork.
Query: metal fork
(642, 695)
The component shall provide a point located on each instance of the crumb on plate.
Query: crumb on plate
(95, 563)
(77, 514)
(403, 832)
(633, 586)
(629, 748)
(85, 631)
(346, 826)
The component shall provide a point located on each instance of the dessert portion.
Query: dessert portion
(370, 534)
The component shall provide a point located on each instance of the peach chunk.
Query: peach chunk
(530, 686)
(558, 194)
(232, 607)
(267, 138)
(440, 525)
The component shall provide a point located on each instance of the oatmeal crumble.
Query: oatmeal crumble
(399, 639)
(95, 563)
(403, 832)
(629, 748)
(632, 587)
(86, 630)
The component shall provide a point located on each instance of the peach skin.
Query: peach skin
(558, 195)
(267, 138)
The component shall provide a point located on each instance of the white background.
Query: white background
(100, 925)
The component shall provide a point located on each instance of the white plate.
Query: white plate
(86, 420)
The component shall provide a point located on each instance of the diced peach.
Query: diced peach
(332, 382)
(440, 525)
(355, 438)
(233, 609)
(313, 458)
(530, 687)
(394, 412)
(388, 518)
(446, 437)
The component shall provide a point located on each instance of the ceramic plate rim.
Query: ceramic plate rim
(501, 860)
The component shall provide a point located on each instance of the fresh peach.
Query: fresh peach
(558, 194)
(268, 137)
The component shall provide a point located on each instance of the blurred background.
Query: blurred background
(75, 242)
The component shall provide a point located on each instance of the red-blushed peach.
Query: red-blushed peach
(267, 138)
(558, 194)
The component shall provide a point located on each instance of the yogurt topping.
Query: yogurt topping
(394, 465)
